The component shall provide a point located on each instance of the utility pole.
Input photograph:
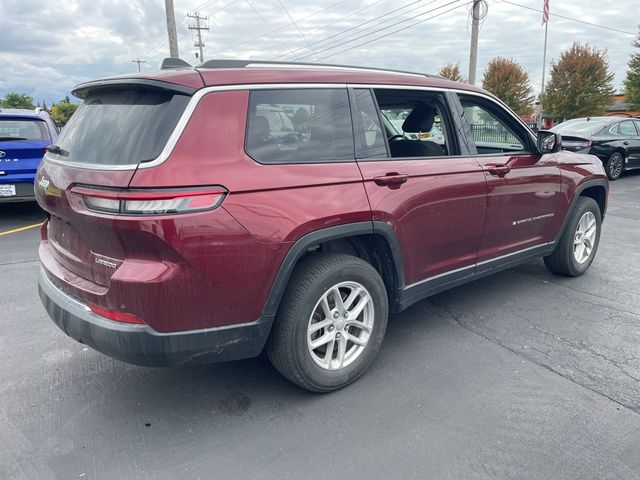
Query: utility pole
(138, 61)
(171, 28)
(198, 29)
(473, 52)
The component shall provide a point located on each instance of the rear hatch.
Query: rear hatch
(120, 125)
(22, 145)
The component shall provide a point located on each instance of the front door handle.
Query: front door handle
(498, 170)
(392, 180)
(625, 142)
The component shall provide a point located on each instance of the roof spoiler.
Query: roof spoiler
(173, 62)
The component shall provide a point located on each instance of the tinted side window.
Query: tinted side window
(627, 128)
(370, 142)
(299, 126)
(492, 129)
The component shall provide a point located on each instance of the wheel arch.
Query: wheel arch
(376, 242)
(597, 189)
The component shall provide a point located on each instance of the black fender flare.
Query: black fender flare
(301, 245)
(597, 182)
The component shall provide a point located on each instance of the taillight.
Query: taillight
(114, 315)
(150, 202)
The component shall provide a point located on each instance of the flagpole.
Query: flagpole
(544, 65)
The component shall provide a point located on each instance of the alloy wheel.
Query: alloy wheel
(584, 238)
(340, 325)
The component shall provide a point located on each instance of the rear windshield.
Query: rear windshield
(581, 126)
(20, 129)
(121, 127)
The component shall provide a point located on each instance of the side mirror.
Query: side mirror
(549, 142)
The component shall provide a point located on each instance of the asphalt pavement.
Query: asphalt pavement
(522, 375)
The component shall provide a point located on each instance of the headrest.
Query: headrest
(260, 128)
(420, 119)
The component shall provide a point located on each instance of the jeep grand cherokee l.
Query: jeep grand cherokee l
(182, 230)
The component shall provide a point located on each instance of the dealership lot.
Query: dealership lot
(519, 375)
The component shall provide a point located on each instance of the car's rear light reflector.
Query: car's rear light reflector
(114, 315)
(150, 202)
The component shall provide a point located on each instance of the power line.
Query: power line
(300, 20)
(138, 61)
(198, 28)
(184, 19)
(333, 37)
(269, 26)
(383, 28)
(399, 29)
(295, 25)
(570, 18)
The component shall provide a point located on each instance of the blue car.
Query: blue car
(24, 136)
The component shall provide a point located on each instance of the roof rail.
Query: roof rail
(173, 62)
(267, 63)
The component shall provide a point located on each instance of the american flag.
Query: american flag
(545, 12)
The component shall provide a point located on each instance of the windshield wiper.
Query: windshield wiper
(57, 150)
(12, 138)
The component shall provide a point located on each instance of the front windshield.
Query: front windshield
(582, 126)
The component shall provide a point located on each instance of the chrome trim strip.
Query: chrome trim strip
(484, 262)
(331, 67)
(475, 265)
(440, 275)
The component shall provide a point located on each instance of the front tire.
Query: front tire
(579, 242)
(614, 166)
(331, 322)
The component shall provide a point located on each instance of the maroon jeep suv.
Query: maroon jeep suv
(205, 214)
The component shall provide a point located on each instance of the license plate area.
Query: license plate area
(7, 190)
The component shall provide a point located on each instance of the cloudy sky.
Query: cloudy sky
(49, 46)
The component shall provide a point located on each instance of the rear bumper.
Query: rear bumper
(142, 345)
(24, 192)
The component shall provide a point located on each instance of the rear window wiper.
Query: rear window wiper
(57, 150)
(12, 138)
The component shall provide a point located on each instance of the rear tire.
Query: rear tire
(330, 324)
(579, 242)
(614, 166)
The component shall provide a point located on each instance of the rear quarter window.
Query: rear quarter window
(299, 126)
(121, 127)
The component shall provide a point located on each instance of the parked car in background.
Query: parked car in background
(183, 229)
(614, 140)
(24, 136)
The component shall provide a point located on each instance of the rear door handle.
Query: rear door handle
(498, 170)
(391, 180)
(625, 142)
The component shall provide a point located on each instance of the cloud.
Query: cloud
(55, 45)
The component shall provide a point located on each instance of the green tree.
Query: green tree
(17, 100)
(61, 112)
(452, 72)
(632, 82)
(508, 81)
(580, 84)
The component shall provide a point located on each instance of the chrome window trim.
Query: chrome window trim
(197, 96)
